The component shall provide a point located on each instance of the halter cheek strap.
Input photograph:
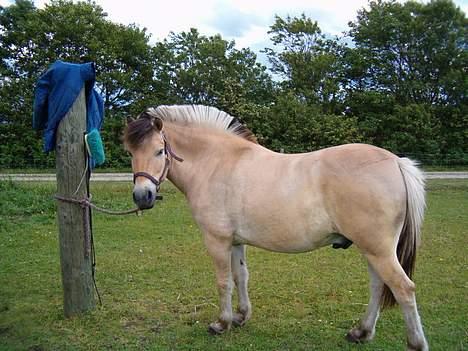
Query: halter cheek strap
(169, 156)
(168, 149)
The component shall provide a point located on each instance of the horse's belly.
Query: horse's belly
(286, 240)
(297, 223)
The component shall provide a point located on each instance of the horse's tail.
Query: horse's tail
(410, 235)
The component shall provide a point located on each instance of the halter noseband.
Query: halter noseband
(155, 181)
(167, 163)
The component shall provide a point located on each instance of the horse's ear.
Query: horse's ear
(157, 123)
(145, 114)
(129, 120)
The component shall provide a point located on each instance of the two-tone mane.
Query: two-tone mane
(201, 115)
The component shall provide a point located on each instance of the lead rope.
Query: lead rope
(87, 207)
(86, 202)
(91, 236)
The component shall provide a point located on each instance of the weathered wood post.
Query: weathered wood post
(77, 281)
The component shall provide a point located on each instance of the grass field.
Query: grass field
(157, 282)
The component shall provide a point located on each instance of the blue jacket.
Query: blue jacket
(57, 90)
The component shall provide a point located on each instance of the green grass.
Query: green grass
(158, 290)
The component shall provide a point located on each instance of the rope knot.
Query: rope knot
(84, 202)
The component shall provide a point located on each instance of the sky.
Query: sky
(245, 21)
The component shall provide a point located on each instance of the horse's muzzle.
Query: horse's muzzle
(144, 198)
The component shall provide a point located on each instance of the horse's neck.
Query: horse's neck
(200, 152)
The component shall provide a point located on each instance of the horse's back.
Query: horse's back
(352, 157)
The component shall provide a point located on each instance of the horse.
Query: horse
(241, 193)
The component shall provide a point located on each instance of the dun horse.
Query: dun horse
(241, 193)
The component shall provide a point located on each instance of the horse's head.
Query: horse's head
(144, 139)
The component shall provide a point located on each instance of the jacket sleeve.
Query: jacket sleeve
(40, 114)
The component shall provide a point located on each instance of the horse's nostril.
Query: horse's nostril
(150, 195)
(134, 198)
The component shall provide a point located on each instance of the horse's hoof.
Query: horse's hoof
(358, 336)
(422, 346)
(216, 328)
(238, 320)
(352, 338)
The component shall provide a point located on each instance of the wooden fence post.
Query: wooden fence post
(77, 281)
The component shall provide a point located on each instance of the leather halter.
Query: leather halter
(167, 163)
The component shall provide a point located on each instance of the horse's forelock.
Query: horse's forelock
(137, 131)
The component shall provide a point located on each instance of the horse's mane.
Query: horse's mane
(205, 116)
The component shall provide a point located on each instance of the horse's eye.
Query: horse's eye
(160, 152)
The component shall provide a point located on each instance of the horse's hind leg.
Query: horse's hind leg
(390, 271)
(241, 277)
(366, 329)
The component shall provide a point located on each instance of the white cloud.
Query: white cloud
(162, 17)
(233, 21)
(252, 17)
(5, 3)
(245, 21)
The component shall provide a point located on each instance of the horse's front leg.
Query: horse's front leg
(219, 248)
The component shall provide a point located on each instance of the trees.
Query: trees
(211, 71)
(293, 126)
(31, 39)
(413, 50)
(413, 56)
(306, 61)
(131, 74)
(18, 65)
(401, 84)
(307, 113)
